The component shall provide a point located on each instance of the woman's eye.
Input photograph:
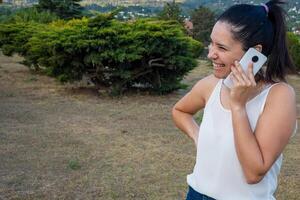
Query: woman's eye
(222, 48)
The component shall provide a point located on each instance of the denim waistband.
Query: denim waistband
(194, 195)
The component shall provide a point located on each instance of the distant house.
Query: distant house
(297, 31)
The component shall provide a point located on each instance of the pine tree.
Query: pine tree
(171, 11)
(203, 20)
(65, 9)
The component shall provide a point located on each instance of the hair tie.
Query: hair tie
(266, 7)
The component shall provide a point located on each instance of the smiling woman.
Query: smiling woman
(223, 50)
(242, 135)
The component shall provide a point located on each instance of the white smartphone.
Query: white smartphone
(253, 55)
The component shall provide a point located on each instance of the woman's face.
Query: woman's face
(223, 50)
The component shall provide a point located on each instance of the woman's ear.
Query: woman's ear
(258, 47)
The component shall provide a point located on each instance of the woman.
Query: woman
(244, 129)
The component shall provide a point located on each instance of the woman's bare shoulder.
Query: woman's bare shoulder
(206, 85)
(197, 97)
(283, 90)
(281, 95)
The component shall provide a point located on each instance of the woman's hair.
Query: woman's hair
(262, 24)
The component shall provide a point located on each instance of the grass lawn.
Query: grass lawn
(64, 142)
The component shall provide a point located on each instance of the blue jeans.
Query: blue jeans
(193, 195)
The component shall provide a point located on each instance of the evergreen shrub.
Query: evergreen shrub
(147, 53)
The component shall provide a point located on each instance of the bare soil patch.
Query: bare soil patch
(62, 142)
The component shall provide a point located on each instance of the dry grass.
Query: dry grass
(58, 142)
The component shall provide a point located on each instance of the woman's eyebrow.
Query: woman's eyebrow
(222, 45)
(219, 44)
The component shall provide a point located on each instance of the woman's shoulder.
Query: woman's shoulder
(206, 85)
(281, 93)
(281, 88)
(281, 104)
(209, 81)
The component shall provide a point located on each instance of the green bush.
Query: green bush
(147, 53)
(30, 14)
(18, 26)
(294, 48)
(14, 37)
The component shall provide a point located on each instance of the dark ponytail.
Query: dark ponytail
(265, 25)
(279, 60)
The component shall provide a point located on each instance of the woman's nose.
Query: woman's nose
(211, 53)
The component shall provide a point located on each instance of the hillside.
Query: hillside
(154, 6)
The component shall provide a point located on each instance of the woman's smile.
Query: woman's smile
(217, 65)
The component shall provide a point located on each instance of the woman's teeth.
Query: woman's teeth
(218, 65)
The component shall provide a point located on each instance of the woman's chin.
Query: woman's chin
(221, 72)
(220, 75)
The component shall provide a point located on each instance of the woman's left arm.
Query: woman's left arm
(257, 151)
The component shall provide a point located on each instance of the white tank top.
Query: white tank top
(218, 172)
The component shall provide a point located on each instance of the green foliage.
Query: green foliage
(294, 48)
(203, 20)
(31, 14)
(150, 54)
(27, 14)
(14, 37)
(171, 11)
(65, 9)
